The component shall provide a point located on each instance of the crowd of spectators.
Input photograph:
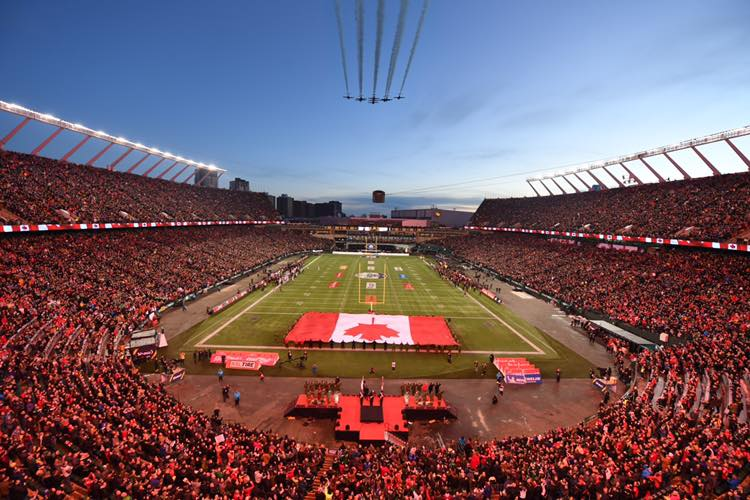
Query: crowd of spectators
(34, 189)
(677, 292)
(712, 208)
(79, 424)
(118, 279)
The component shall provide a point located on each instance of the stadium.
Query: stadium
(550, 327)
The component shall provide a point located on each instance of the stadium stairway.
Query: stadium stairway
(318, 481)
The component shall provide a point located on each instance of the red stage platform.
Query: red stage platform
(357, 420)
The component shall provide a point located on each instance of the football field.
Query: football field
(393, 285)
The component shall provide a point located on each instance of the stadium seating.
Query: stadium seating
(41, 190)
(103, 280)
(712, 209)
(678, 292)
(76, 423)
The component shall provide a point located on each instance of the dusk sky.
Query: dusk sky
(497, 90)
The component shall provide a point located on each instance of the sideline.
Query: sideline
(503, 322)
(202, 343)
(367, 351)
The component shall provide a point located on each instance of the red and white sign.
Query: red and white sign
(378, 328)
(518, 371)
(740, 247)
(128, 225)
(243, 360)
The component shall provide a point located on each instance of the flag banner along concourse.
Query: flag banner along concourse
(378, 328)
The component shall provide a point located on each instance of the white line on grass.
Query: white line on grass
(369, 350)
(232, 320)
(522, 337)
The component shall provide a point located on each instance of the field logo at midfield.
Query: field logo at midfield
(380, 328)
(371, 276)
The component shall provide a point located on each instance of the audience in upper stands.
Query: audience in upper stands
(41, 190)
(96, 280)
(677, 292)
(78, 420)
(712, 208)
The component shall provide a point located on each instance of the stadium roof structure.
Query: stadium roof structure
(691, 144)
(172, 160)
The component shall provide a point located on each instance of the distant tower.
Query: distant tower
(239, 185)
(206, 178)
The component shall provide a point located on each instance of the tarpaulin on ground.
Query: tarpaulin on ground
(378, 328)
(243, 360)
(518, 371)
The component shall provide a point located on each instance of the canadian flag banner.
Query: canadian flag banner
(378, 328)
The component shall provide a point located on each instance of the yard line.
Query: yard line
(538, 351)
(310, 263)
(369, 350)
(232, 320)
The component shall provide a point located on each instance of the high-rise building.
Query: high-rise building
(206, 178)
(239, 185)
(327, 209)
(285, 205)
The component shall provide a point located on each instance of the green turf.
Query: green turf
(262, 320)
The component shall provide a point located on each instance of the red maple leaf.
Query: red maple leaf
(372, 332)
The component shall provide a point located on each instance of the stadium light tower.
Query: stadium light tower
(110, 140)
(690, 144)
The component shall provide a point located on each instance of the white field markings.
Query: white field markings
(339, 349)
(236, 316)
(537, 350)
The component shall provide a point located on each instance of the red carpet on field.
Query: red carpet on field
(378, 328)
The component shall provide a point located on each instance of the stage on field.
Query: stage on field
(369, 328)
(373, 419)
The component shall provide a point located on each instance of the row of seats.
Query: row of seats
(712, 208)
(34, 189)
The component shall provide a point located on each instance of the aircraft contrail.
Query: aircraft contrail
(396, 45)
(341, 44)
(378, 43)
(359, 15)
(425, 6)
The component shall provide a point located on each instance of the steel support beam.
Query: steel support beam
(193, 175)
(558, 185)
(739, 153)
(75, 148)
(13, 132)
(46, 141)
(151, 169)
(657, 174)
(632, 175)
(113, 165)
(178, 173)
(618, 181)
(137, 164)
(677, 166)
(598, 180)
(705, 160)
(582, 181)
(571, 184)
(532, 187)
(545, 187)
(205, 176)
(100, 154)
(161, 175)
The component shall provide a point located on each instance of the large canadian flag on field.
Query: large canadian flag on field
(381, 329)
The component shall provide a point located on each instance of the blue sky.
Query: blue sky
(497, 89)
